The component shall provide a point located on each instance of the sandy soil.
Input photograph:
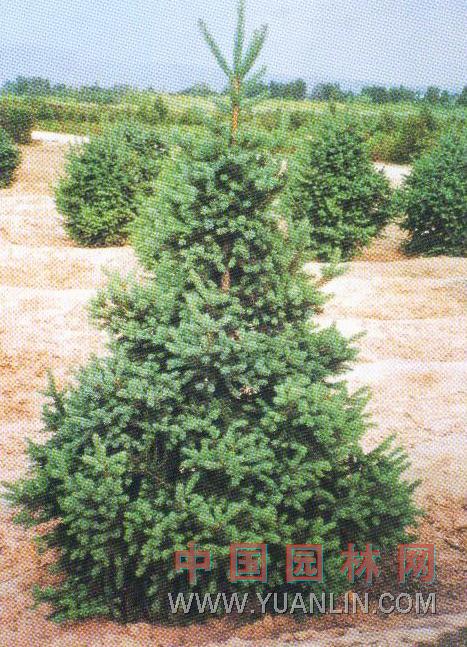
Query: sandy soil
(412, 357)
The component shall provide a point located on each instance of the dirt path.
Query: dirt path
(413, 312)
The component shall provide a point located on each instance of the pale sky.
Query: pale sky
(157, 42)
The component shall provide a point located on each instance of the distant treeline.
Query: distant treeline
(36, 86)
(378, 94)
(295, 90)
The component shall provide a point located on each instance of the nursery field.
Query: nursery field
(412, 356)
(395, 132)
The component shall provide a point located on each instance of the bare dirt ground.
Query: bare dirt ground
(412, 357)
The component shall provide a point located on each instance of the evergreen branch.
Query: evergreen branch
(254, 49)
(259, 75)
(215, 49)
(254, 80)
(222, 104)
(239, 37)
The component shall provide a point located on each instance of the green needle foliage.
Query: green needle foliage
(434, 200)
(335, 192)
(244, 58)
(216, 417)
(17, 120)
(9, 158)
(104, 179)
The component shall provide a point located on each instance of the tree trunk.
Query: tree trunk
(225, 284)
(225, 281)
(235, 110)
(235, 118)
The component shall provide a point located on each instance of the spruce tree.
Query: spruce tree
(434, 199)
(216, 416)
(340, 200)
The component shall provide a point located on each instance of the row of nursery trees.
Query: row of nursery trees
(397, 135)
(330, 182)
(330, 186)
(217, 415)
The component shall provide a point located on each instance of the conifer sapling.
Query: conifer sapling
(216, 416)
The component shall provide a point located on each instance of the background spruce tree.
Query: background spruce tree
(335, 193)
(103, 181)
(216, 417)
(9, 158)
(434, 200)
